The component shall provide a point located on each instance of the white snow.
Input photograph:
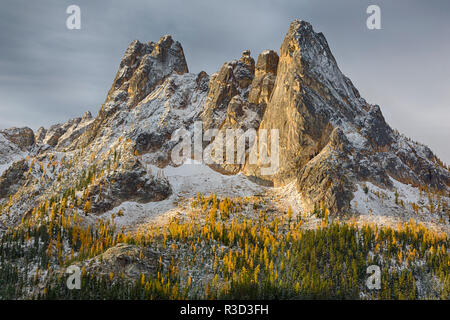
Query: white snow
(356, 139)
(186, 181)
(378, 206)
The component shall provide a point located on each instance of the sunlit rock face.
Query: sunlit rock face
(330, 137)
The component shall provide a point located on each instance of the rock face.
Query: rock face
(316, 109)
(294, 107)
(264, 80)
(321, 179)
(39, 136)
(237, 99)
(232, 81)
(12, 179)
(127, 260)
(62, 135)
(8, 152)
(144, 66)
(22, 137)
(129, 184)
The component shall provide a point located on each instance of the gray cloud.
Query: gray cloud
(50, 74)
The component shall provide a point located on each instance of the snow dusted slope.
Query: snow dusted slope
(186, 181)
(389, 207)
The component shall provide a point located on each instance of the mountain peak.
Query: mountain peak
(311, 99)
(312, 55)
(143, 67)
(331, 141)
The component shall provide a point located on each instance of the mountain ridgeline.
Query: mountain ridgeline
(105, 194)
(330, 138)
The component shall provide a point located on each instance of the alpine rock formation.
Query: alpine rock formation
(335, 151)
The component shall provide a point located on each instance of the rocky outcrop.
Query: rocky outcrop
(321, 179)
(13, 178)
(40, 134)
(311, 98)
(232, 80)
(175, 105)
(264, 80)
(62, 135)
(129, 184)
(74, 129)
(143, 67)
(129, 261)
(9, 151)
(53, 134)
(237, 99)
(304, 129)
(22, 137)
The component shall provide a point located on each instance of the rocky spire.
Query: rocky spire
(330, 137)
(230, 81)
(265, 75)
(292, 109)
(143, 67)
(310, 100)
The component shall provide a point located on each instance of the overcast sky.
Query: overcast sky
(49, 74)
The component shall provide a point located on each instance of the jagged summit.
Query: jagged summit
(143, 67)
(333, 144)
(330, 137)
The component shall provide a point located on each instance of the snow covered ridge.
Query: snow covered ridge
(334, 148)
